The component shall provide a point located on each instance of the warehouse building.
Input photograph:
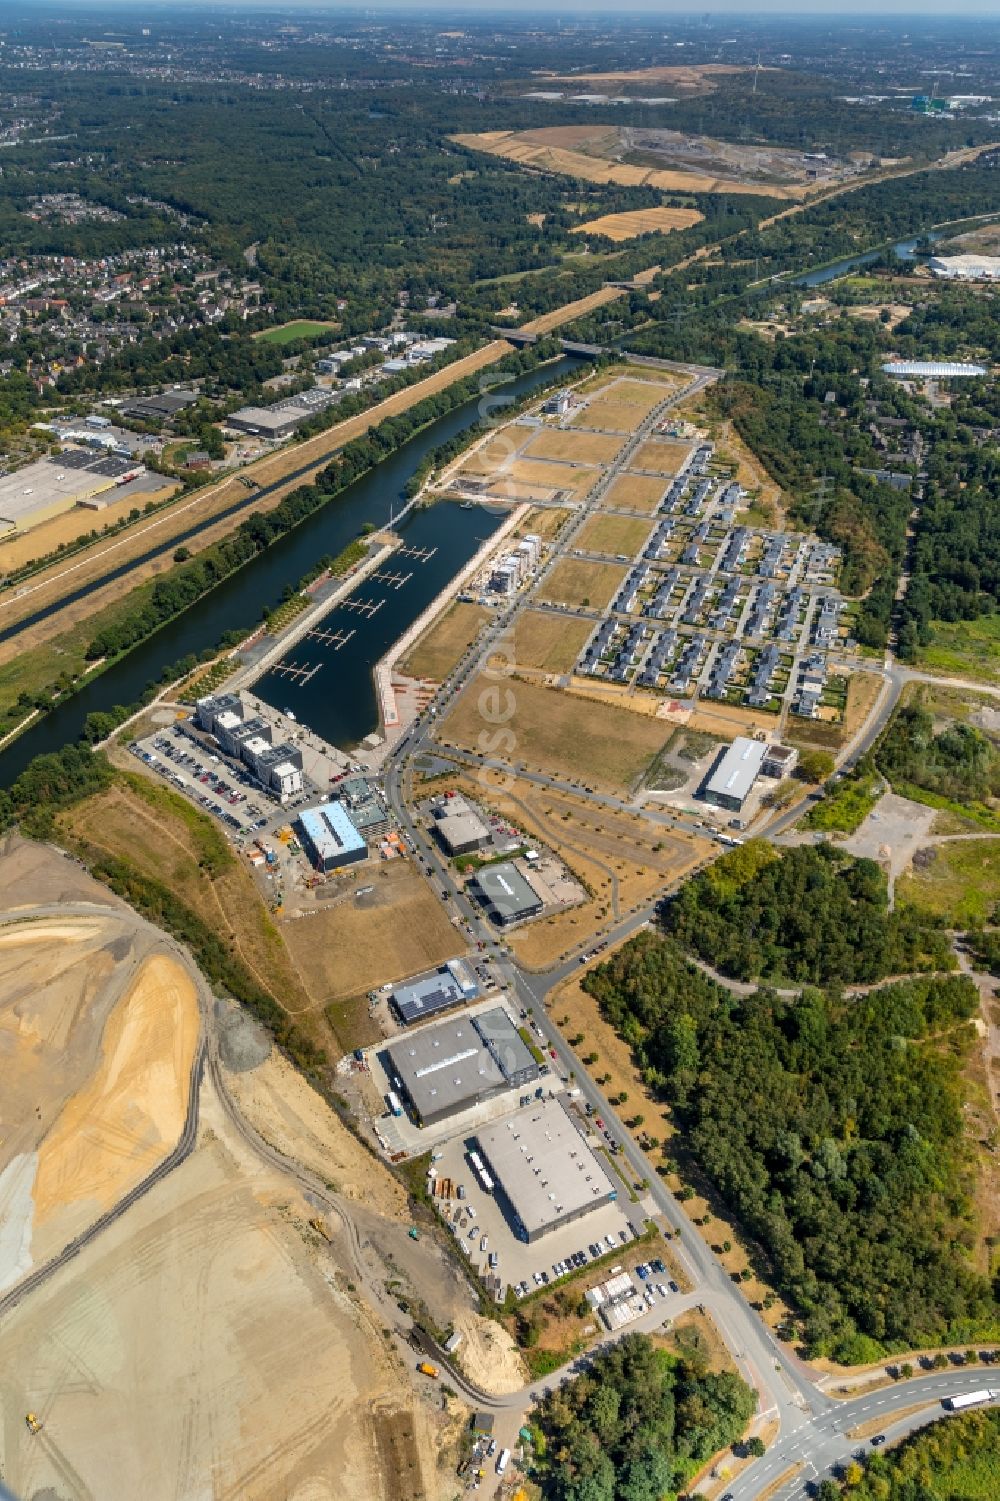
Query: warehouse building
(966, 267)
(508, 1048)
(329, 838)
(544, 1173)
(731, 783)
(157, 408)
(268, 422)
(429, 995)
(507, 895)
(443, 1070)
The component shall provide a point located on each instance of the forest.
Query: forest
(959, 762)
(635, 1425)
(840, 1150)
(809, 915)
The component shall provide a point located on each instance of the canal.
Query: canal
(237, 602)
(906, 250)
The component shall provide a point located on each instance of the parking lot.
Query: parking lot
(217, 785)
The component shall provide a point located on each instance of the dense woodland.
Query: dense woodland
(959, 762)
(833, 1129)
(635, 1425)
(809, 915)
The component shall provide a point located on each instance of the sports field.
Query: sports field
(634, 492)
(299, 328)
(558, 732)
(614, 535)
(575, 582)
(640, 221)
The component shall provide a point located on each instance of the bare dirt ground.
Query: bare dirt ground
(98, 1028)
(538, 150)
(361, 943)
(204, 1347)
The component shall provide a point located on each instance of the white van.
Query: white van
(503, 1460)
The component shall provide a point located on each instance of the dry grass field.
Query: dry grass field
(614, 535)
(698, 76)
(441, 645)
(544, 521)
(547, 641)
(570, 311)
(355, 945)
(634, 492)
(575, 582)
(163, 837)
(529, 479)
(574, 446)
(536, 149)
(659, 456)
(640, 221)
(561, 733)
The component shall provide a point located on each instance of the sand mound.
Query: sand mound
(132, 1110)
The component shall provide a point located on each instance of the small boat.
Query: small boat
(290, 715)
(467, 505)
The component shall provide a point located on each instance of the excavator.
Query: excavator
(35, 1424)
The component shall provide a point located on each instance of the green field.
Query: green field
(965, 646)
(287, 333)
(962, 884)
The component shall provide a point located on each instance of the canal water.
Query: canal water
(331, 686)
(237, 602)
(906, 250)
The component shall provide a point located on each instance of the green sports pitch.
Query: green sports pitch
(302, 328)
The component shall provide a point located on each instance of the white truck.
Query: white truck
(503, 1460)
(969, 1399)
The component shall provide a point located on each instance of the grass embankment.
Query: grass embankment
(174, 866)
(959, 881)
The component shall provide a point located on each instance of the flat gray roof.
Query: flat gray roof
(737, 771)
(461, 828)
(501, 1036)
(504, 888)
(544, 1165)
(446, 1067)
